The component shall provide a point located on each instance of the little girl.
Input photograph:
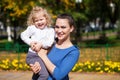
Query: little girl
(38, 36)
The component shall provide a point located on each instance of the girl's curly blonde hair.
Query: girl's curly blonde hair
(38, 9)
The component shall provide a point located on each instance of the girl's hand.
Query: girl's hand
(32, 45)
(38, 46)
(35, 67)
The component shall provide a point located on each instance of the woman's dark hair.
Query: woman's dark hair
(68, 17)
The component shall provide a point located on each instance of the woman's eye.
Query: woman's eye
(40, 19)
(56, 27)
(63, 27)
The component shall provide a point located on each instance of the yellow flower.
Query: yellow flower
(89, 66)
(98, 68)
(119, 69)
(106, 69)
(80, 70)
(73, 68)
(20, 66)
(109, 71)
(92, 64)
(15, 63)
(98, 63)
(80, 64)
(101, 71)
(87, 62)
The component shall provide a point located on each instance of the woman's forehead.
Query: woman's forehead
(62, 22)
(59, 20)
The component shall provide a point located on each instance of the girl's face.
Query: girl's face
(63, 29)
(39, 21)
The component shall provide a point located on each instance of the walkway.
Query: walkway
(26, 75)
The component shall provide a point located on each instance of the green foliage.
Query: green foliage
(88, 9)
(15, 11)
(15, 47)
(79, 16)
(118, 29)
(112, 42)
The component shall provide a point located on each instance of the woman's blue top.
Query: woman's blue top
(64, 59)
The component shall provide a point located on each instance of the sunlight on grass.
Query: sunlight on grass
(91, 60)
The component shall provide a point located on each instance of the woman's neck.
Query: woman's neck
(64, 44)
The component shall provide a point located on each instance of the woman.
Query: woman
(63, 55)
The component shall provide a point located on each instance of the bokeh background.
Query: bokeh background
(97, 32)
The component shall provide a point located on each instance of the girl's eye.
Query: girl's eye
(36, 20)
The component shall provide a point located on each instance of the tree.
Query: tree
(16, 11)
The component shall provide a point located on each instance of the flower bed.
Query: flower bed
(15, 64)
(103, 66)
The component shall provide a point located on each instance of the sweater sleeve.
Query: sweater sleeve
(66, 65)
(49, 39)
(25, 35)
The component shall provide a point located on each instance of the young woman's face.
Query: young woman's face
(40, 21)
(63, 29)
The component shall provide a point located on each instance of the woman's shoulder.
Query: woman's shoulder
(75, 49)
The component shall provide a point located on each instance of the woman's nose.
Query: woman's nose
(59, 30)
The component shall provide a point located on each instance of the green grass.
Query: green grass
(100, 54)
(90, 54)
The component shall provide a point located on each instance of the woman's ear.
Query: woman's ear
(72, 29)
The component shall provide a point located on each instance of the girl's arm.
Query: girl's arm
(25, 35)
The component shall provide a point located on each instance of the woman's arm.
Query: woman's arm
(43, 54)
(36, 67)
(59, 72)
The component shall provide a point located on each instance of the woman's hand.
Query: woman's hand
(35, 67)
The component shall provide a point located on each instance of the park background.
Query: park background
(97, 32)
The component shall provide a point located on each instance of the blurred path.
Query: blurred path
(26, 75)
(97, 36)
